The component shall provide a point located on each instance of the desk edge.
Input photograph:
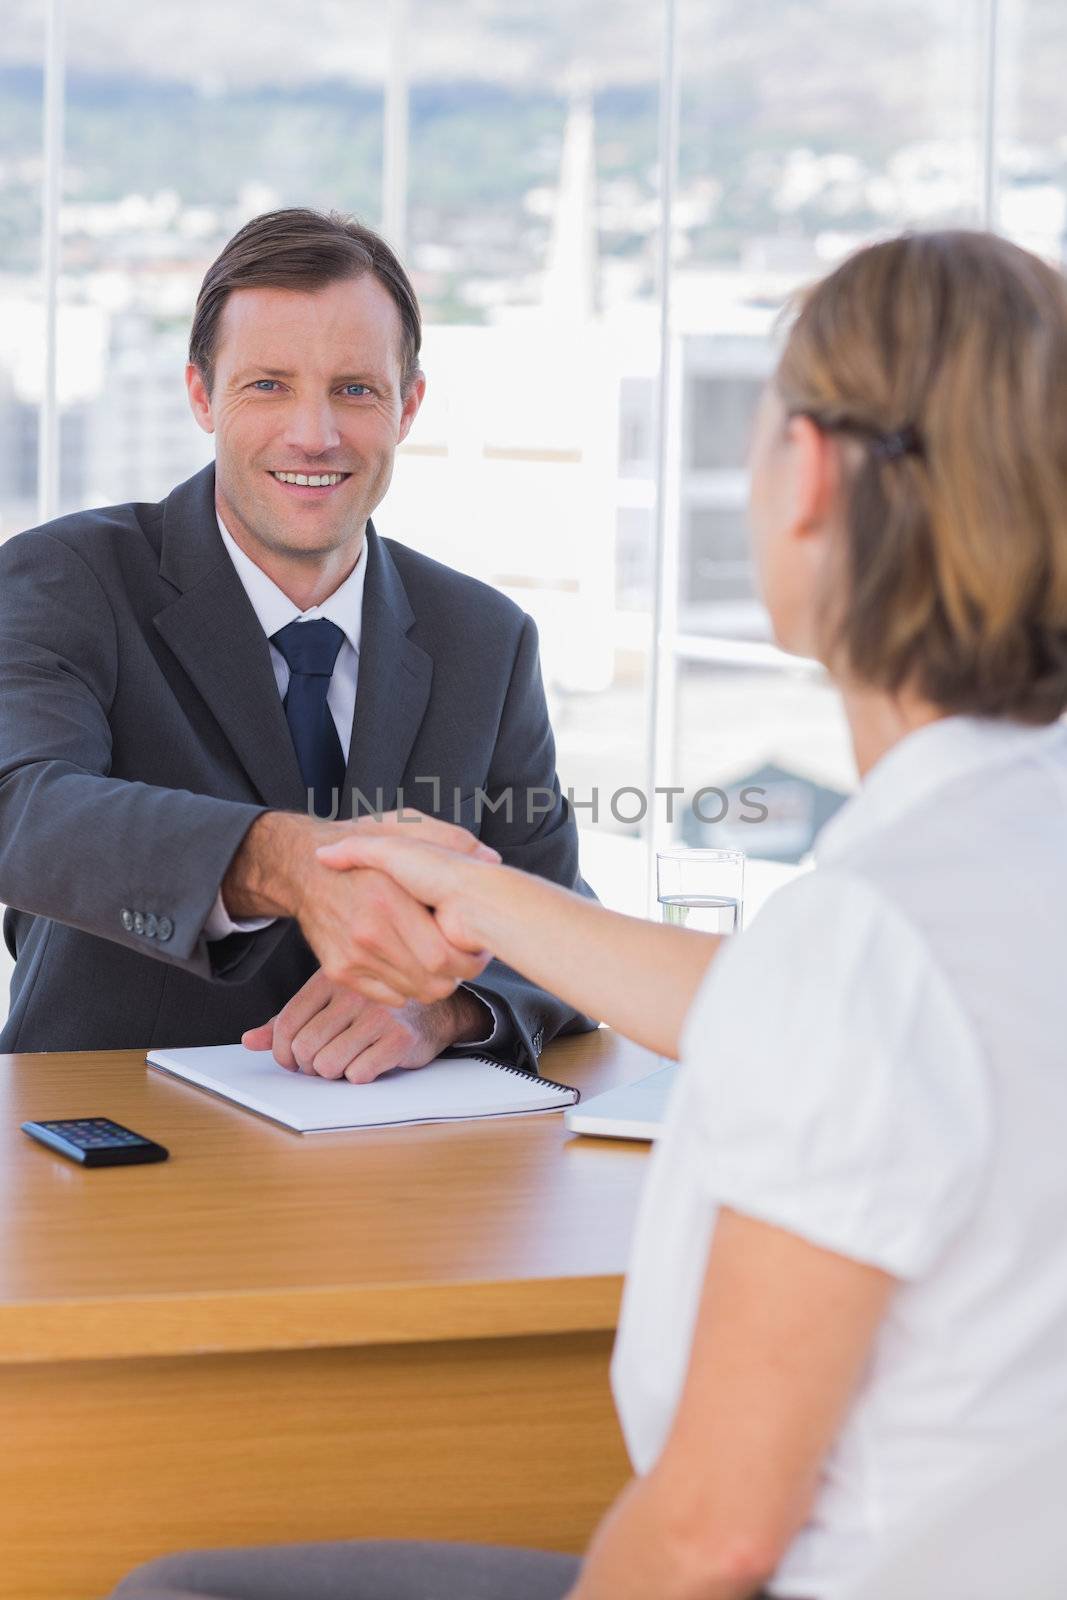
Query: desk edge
(304, 1319)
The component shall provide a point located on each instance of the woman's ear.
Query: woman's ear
(815, 476)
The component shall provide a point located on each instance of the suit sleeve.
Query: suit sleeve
(525, 817)
(127, 861)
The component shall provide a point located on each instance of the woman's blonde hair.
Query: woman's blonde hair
(944, 355)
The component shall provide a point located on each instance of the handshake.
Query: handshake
(388, 907)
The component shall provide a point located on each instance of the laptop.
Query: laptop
(632, 1111)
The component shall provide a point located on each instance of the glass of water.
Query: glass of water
(701, 889)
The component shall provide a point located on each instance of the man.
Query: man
(189, 688)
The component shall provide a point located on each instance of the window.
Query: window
(182, 123)
(805, 131)
(1030, 191)
(518, 157)
(720, 402)
(531, 221)
(21, 311)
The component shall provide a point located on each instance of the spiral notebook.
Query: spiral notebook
(449, 1090)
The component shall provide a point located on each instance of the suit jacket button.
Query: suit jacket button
(150, 926)
(138, 922)
(165, 928)
(127, 919)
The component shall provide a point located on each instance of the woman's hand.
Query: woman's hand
(636, 975)
(436, 876)
(368, 934)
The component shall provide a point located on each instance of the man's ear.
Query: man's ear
(199, 399)
(412, 401)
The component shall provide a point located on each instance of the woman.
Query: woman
(849, 1284)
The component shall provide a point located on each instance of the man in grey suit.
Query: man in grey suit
(196, 695)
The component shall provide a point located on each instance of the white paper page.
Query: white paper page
(466, 1086)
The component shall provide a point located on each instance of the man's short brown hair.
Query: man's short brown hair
(304, 250)
(940, 360)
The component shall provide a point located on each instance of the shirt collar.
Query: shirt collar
(275, 609)
(920, 764)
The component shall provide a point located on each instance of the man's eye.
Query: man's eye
(356, 389)
(265, 384)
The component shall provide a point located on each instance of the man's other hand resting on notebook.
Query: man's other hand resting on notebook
(366, 932)
(331, 1032)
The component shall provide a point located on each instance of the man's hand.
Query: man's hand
(454, 885)
(330, 1032)
(366, 931)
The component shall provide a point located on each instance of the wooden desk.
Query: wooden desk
(394, 1333)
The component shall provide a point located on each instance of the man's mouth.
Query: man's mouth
(310, 480)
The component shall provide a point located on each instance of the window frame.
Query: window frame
(670, 645)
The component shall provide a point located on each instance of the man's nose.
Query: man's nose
(311, 427)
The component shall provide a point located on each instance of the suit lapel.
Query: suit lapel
(215, 634)
(393, 690)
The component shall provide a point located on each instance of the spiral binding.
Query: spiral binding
(534, 1077)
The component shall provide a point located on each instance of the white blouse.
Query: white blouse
(879, 1065)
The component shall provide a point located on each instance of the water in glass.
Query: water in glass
(705, 913)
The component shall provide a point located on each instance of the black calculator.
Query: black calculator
(96, 1142)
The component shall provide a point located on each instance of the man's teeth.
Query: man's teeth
(321, 481)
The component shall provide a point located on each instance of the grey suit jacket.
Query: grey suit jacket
(141, 733)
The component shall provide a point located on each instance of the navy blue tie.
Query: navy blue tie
(311, 649)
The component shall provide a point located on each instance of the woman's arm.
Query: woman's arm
(638, 976)
(782, 1335)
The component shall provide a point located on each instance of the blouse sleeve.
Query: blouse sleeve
(838, 1088)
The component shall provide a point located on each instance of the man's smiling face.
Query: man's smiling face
(307, 384)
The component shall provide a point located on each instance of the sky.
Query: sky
(241, 42)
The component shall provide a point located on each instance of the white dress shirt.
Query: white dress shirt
(344, 608)
(879, 1066)
(275, 610)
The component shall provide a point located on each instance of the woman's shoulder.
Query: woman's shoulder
(833, 1075)
(818, 916)
(836, 939)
